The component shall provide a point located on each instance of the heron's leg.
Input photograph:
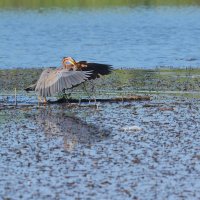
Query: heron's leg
(39, 100)
(95, 100)
(45, 100)
(42, 101)
(67, 95)
(79, 102)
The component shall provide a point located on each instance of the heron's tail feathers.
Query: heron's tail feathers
(30, 88)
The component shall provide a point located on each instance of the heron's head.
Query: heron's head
(68, 60)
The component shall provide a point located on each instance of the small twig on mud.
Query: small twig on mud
(15, 97)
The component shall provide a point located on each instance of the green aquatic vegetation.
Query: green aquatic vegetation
(119, 80)
(36, 4)
(18, 78)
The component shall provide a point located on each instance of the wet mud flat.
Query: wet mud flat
(134, 150)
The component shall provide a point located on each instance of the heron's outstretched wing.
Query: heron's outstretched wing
(42, 77)
(96, 68)
(54, 81)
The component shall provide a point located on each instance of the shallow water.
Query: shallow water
(135, 36)
(46, 154)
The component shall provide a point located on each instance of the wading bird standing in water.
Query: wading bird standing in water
(69, 75)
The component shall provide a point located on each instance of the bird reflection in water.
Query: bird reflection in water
(57, 123)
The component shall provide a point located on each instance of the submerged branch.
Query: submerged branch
(111, 100)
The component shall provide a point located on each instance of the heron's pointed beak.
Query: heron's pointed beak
(72, 61)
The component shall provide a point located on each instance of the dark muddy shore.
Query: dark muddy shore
(131, 150)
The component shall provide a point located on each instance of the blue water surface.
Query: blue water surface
(144, 37)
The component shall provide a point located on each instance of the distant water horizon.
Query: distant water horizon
(131, 37)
